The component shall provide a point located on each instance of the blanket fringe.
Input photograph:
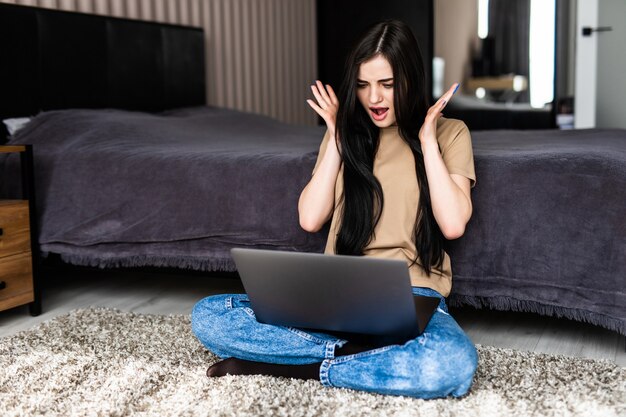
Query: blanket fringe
(512, 304)
(196, 264)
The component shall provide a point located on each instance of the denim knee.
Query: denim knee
(445, 372)
(454, 360)
(206, 323)
(227, 326)
(431, 366)
(466, 362)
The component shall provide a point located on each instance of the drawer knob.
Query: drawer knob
(1, 231)
(3, 285)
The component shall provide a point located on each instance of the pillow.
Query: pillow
(15, 124)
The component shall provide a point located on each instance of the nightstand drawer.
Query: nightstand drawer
(14, 224)
(16, 278)
(19, 264)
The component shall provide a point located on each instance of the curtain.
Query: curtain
(509, 25)
(507, 46)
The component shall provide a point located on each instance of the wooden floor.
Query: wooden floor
(171, 292)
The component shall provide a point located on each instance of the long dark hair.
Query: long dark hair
(363, 196)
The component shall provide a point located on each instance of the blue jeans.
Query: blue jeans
(438, 363)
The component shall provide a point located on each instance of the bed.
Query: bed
(121, 120)
(140, 172)
(175, 189)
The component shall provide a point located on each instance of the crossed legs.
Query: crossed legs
(440, 362)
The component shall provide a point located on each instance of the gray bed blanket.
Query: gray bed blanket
(548, 232)
(115, 188)
(109, 180)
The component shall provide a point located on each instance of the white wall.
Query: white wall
(586, 65)
(456, 34)
(611, 86)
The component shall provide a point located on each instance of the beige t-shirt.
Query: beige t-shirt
(394, 167)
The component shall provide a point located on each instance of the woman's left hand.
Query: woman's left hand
(428, 132)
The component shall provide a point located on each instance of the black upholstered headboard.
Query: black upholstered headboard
(54, 60)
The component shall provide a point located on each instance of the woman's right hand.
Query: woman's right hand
(327, 104)
(317, 200)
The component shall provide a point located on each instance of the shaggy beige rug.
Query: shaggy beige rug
(107, 362)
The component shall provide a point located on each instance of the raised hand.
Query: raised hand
(327, 104)
(428, 131)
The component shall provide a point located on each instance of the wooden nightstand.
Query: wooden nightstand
(19, 252)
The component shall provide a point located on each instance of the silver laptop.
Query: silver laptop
(343, 295)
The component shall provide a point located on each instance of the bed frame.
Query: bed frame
(57, 60)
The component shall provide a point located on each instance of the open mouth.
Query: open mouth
(379, 113)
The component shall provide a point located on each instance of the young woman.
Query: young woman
(394, 177)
